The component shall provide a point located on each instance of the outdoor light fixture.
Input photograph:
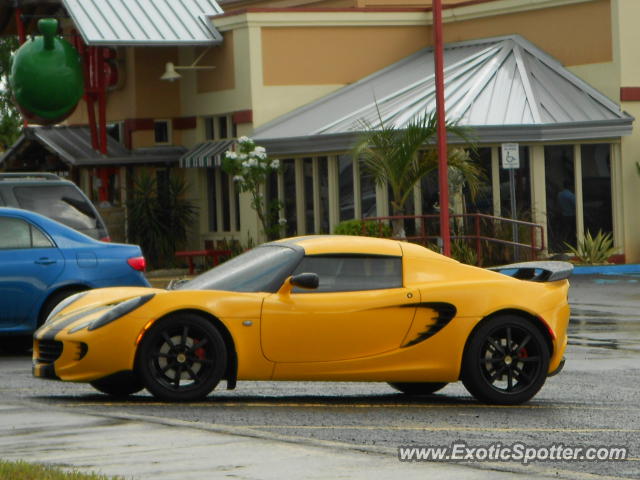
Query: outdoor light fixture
(171, 71)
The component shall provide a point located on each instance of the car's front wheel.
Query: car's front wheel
(181, 358)
(506, 361)
(418, 388)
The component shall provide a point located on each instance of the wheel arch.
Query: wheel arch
(231, 374)
(537, 322)
(73, 287)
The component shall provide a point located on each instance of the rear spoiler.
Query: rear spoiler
(549, 271)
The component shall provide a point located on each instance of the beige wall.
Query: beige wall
(335, 55)
(626, 31)
(574, 34)
(223, 76)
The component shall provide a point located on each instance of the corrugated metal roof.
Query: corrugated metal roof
(490, 84)
(206, 154)
(73, 145)
(145, 22)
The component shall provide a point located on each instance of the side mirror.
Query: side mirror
(305, 280)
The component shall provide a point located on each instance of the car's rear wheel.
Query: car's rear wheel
(506, 361)
(181, 358)
(418, 388)
(119, 385)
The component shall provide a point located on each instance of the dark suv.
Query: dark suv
(53, 197)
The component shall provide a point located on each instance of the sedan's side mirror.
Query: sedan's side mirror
(305, 280)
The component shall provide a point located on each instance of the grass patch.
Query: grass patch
(32, 471)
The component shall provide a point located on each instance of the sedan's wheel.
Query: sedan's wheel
(181, 358)
(119, 385)
(506, 361)
(418, 388)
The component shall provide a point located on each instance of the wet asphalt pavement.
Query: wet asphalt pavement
(595, 401)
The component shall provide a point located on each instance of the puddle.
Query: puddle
(604, 330)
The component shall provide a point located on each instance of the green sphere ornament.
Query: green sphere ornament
(46, 76)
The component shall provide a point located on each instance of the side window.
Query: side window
(340, 273)
(39, 239)
(16, 233)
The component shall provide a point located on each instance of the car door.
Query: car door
(29, 264)
(360, 309)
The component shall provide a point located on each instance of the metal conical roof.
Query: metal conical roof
(504, 87)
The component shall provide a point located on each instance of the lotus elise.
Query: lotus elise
(330, 308)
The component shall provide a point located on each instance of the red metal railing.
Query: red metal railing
(477, 229)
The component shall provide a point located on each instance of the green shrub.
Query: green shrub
(463, 252)
(593, 250)
(363, 228)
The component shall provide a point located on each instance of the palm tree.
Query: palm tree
(401, 157)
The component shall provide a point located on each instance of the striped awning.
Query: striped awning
(206, 154)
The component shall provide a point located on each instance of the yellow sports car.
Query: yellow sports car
(319, 307)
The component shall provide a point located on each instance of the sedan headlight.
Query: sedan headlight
(120, 310)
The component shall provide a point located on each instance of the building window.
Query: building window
(483, 201)
(223, 131)
(323, 186)
(209, 131)
(213, 200)
(367, 193)
(161, 131)
(345, 182)
(561, 198)
(596, 188)
(217, 127)
(115, 131)
(289, 176)
(307, 166)
(226, 201)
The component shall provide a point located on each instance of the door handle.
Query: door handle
(45, 261)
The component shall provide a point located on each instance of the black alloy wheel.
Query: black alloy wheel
(506, 361)
(181, 358)
(418, 388)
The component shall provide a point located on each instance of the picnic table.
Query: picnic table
(214, 254)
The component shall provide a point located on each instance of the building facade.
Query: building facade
(558, 77)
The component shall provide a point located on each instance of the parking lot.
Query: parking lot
(593, 402)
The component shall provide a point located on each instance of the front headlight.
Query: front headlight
(64, 304)
(120, 310)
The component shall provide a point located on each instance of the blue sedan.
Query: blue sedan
(42, 262)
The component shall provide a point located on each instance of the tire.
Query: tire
(119, 386)
(506, 361)
(53, 301)
(182, 358)
(17, 345)
(418, 388)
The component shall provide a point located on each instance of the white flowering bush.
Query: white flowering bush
(250, 167)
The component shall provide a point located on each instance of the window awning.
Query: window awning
(206, 154)
(73, 146)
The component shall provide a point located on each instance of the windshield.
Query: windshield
(262, 269)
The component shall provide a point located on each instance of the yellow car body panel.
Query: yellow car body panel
(372, 335)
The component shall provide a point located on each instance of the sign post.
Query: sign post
(511, 161)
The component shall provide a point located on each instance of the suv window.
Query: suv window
(345, 273)
(62, 203)
(16, 233)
